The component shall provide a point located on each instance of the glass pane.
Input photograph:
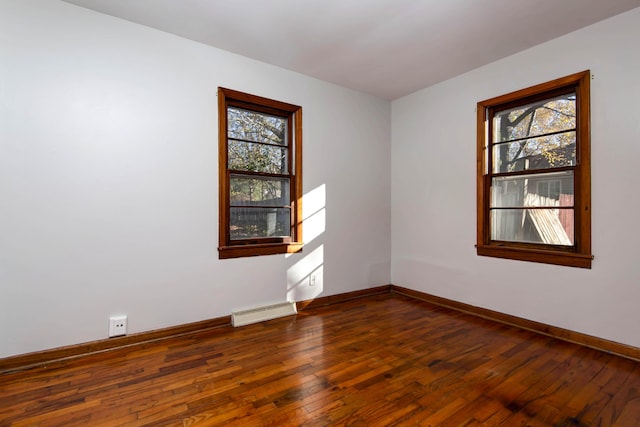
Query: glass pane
(538, 118)
(259, 191)
(248, 223)
(253, 157)
(548, 226)
(255, 126)
(549, 189)
(543, 152)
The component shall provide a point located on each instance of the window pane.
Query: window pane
(248, 223)
(247, 156)
(259, 191)
(255, 126)
(543, 152)
(550, 189)
(548, 226)
(538, 118)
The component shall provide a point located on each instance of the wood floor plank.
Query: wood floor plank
(380, 360)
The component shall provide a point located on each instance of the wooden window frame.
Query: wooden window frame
(578, 255)
(228, 248)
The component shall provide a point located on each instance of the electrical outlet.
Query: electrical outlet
(117, 326)
(315, 277)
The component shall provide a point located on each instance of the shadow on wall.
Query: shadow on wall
(305, 277)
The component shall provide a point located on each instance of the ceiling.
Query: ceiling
(387, 48)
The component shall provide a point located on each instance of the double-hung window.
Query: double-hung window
(533, 176)
(260, 175)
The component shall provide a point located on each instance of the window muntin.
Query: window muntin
(534, 174)
(260, 175)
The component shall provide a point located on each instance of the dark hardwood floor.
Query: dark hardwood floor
(375, 361)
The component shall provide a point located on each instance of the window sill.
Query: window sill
(569, 259)
(239, 251)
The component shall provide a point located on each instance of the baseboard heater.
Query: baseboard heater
(260, 314)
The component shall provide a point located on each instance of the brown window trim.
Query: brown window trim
(578, 255)
(266, 246)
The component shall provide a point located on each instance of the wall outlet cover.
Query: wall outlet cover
(117, 326)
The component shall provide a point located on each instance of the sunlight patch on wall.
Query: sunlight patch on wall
(305, 279)
(314, 213)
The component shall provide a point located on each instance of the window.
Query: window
(550, 188)
(533, 177)
(260, 175)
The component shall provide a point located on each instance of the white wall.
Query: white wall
(433, 189)
(108, 180)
